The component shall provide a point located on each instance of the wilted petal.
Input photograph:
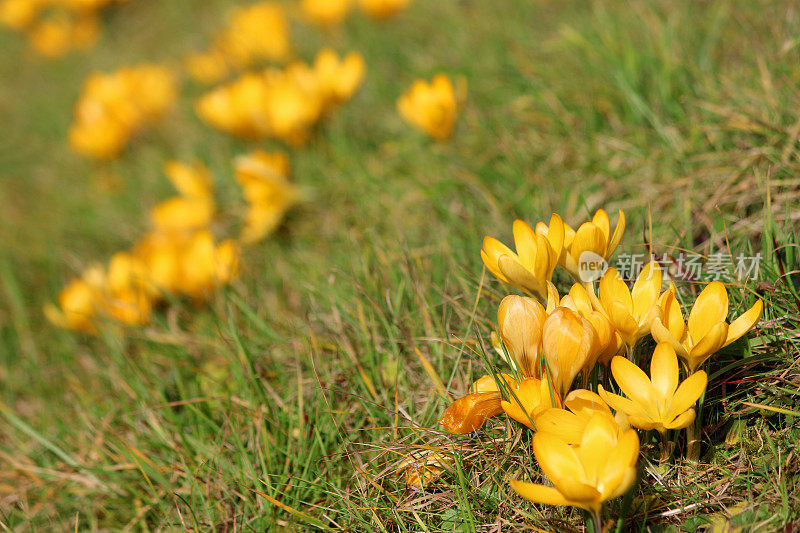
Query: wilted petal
(469, 413)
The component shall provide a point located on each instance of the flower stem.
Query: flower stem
(666, 448)
(598, 527)
(693, 441)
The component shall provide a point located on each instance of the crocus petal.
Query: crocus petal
(622, 404)
(600, 219)
(588, 238)
(582, 401)
(688, 392)
(664, 371)
(622, 320)
(645, 290)
(525, 243)
(556, 458)
(713, 340)
(627, 481)
(681, 421)
(620, 459)
(562, 423)
(493, 250)
(742, 325)
(612, 289)
(519, 276)
(469, 413)
(555, 234)
(539, 493)
(633, 382)
(599, 437)
(710, 308)
(618, 231)
(672, 317)
(662, 334)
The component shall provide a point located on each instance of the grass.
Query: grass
(289, 402)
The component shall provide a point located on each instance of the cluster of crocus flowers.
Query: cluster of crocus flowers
(588, 451)
(255, 33)
(264, 178)
(54, 27)
(284, 104)
(113, 107)
(177, 257)
(329, 13)
(433, 107)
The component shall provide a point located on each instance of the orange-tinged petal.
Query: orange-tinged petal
(687, 394)
(710, 308)
(469, 413)
(646, 290)
(633, 382)
(521, 320)
(664, 371)
(742, 325)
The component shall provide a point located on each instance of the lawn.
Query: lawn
(293, 397)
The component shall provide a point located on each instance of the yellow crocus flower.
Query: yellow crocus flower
(129, 299)
(19, 14)
(194, 208)
(657, 402)
(432, 107)
(528, 399)
(531, 267)
(520, 321)
(631, 312)
(706, 331)
(578, 299)
(255, 32)
(592, 238)
(600, 468)
(570, 422)
(569, 342)
(264, 178)
(381, 9)
(325, 13)
(78, 302)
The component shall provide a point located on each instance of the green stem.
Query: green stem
(666, 447)
(693, 441)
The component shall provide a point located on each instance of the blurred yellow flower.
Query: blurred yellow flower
(264, 178)
(194, 208)
(283, 104)
(631, 312)
(600, 468)
(383, 8)
(78, 302)
(706, 330)
(433, 107)
(325, 12)
(254, 33)
(657, 402)
(112, 107)
(19, 14)
(531, 267)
